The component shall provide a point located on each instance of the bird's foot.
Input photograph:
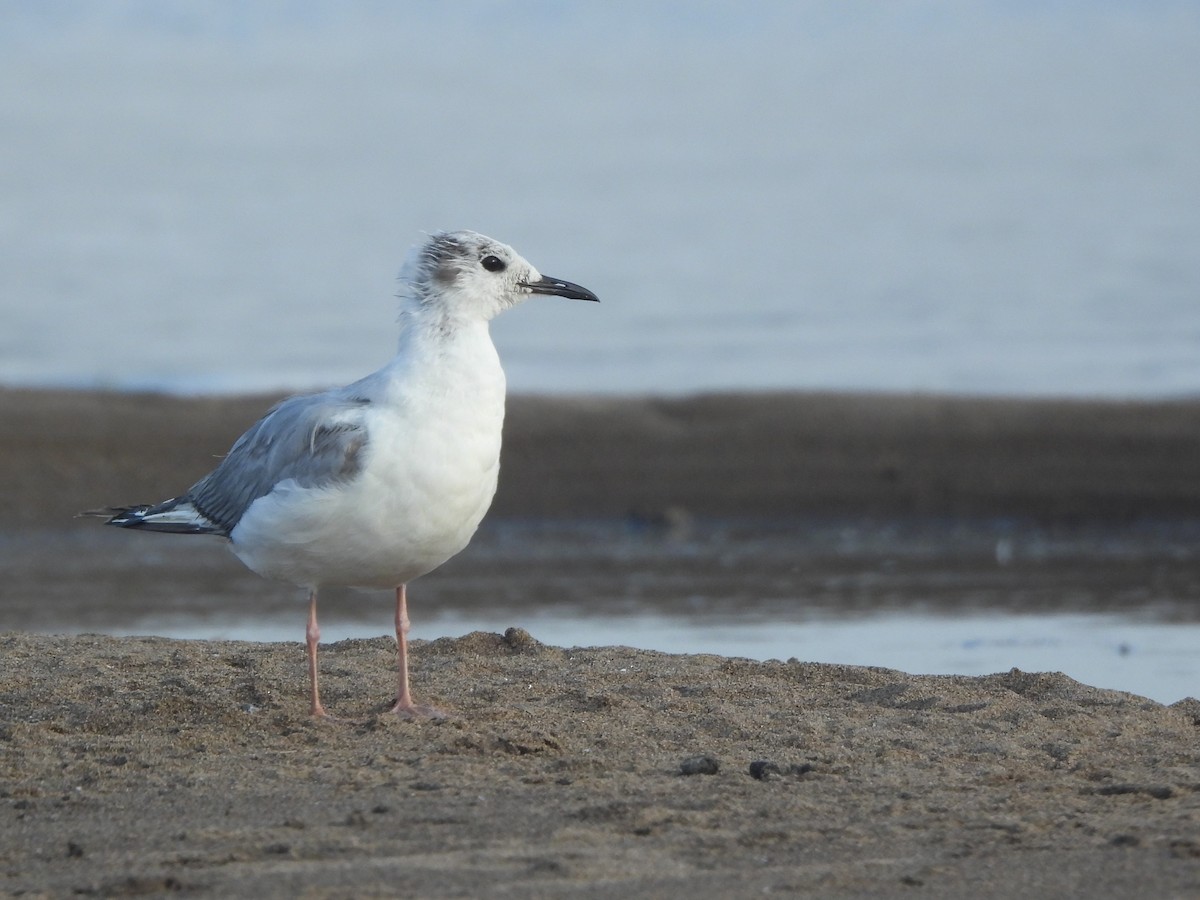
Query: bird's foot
(406, 709)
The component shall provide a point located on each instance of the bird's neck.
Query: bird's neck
(438, 357)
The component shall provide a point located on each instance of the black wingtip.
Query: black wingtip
(136, 517)
(111, 513)
(127, 516)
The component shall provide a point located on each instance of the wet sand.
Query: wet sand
(149, 766)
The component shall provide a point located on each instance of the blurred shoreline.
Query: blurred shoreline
(664, 460)
(771, 508)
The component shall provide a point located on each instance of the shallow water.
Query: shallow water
(1155, 659)
(1115, 607)
(994, 197)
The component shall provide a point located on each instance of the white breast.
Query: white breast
(428, 476)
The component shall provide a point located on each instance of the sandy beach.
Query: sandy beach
(149, 766)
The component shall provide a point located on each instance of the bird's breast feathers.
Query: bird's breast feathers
(415, 501)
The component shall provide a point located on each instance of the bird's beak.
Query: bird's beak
(559, 288)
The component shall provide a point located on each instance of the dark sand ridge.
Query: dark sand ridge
(148, 766)
(720, 455)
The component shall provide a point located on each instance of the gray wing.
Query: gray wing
(315, 440)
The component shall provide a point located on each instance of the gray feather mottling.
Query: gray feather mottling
(316, 440)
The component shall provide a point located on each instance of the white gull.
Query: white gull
(381, 481)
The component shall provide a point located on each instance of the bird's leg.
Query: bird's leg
(404, 705)
(403, 695)
(312, 635)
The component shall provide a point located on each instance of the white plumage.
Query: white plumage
(381, 481)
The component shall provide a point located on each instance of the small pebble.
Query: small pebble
(520, 640)
(764, 770)
(699, 765)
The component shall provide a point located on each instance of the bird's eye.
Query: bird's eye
(492, 263)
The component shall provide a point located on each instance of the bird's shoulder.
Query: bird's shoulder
(310, 440)
(308, 425)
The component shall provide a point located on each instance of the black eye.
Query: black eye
(493, 263)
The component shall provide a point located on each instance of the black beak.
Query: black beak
(559, 288)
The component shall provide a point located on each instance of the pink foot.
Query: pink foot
(410, 710)
(404, 706)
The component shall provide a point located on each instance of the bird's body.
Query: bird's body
(381, 481)
(421, 451)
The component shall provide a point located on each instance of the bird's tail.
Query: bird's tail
(174, 516)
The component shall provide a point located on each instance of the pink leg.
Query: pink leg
(404, 705)
(312, 636)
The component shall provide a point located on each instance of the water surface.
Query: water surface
(986, 198)
(1113, 607)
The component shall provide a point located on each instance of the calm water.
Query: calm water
(1156, 659)
(990, 197)
(1113, 607)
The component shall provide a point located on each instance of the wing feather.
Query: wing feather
(313, 440)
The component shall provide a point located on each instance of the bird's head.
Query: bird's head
(465, 275)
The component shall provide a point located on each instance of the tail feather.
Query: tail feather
(174, 516)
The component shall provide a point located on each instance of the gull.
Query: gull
(383, 480)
